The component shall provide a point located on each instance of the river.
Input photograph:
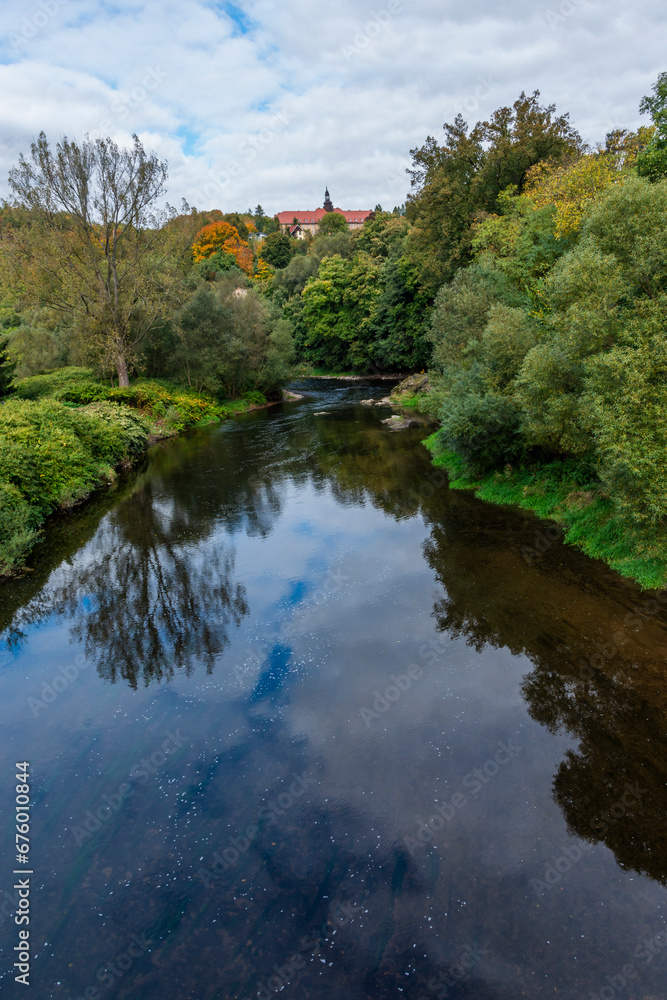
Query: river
(301, 721)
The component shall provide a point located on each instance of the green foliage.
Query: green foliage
(568, 492)
(216, 264)
(337, 307)
(565, 362)
(47, 384)
(52, 456)
(336, 244)
(483, 429)
(40, 341)
(521, 243)
(19, 524)
(652, 161)
(332, 222)
(456, 182)
(362, 309)
(230, 343)
(7, 369)
(276, 249)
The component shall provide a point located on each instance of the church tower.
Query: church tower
(328, 204)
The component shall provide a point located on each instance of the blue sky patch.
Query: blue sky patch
(242, 23)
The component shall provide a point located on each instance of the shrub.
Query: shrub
(39, 386)
(51, 456)
(18, 527)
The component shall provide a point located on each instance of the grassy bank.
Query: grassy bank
(566, 492)
(64, 435)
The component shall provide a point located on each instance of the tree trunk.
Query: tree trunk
(121, 370)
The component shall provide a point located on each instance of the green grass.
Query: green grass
(421, 402)
(568, 493)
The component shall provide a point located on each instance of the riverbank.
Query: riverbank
(65, 435)
(566, 493)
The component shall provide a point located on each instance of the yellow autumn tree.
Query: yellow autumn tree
(222, 238)
(571, 186)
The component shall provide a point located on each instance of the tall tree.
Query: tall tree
(652, 162)
(96, 247)
(7, 369)
(455, 183)
(517, 138)
(332, 222)
(222, 238)
(277, 249)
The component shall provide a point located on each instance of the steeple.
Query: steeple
(328, 204)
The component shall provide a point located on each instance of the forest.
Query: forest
(527, 272)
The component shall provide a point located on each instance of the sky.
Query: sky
(252, 101)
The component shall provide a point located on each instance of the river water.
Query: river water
(303, 722)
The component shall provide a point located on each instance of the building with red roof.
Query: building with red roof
(299, 223)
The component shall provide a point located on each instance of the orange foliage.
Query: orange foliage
(224, 238)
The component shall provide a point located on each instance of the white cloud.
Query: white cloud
(311, 94)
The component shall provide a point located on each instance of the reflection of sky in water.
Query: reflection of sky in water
(288, 762)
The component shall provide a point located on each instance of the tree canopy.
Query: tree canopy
(95, 246)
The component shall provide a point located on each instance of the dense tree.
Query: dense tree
(229, 342)
(332, 222)
(338, 305)
(7, 369)
(94, 246)
(454, 183)
(515, 140)
(277, 249)
(221, 239)
(652, 161)
(441, 205)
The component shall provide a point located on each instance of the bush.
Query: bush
(18, 527)
(483, 430)
(82, 393)
(40, 386)
(52, 456)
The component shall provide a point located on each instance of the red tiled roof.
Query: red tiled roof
(316, 215)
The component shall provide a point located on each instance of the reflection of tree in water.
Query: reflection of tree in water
(613, 788)
(150, 603)
(609, 695)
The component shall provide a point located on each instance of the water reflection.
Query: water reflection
(152, 604)
(598, 669)
(326, 876)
